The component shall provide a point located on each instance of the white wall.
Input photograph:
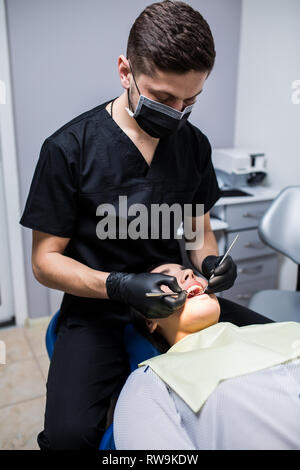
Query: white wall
(266, 118)
(13, 284)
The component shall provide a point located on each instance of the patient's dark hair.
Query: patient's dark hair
(139, 322)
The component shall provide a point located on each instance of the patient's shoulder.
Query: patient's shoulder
(144, 378)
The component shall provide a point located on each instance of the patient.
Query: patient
(258, 410)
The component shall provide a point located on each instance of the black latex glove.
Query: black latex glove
(132, 288)
(224, 275)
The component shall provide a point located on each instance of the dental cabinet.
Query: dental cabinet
(257, 264)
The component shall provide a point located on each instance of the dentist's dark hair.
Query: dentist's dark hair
(170, 36)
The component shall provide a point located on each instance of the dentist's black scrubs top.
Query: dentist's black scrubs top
(90, 161)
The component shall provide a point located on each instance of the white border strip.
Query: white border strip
(11, 183)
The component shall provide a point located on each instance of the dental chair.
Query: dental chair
(138, 349)
(279, 228)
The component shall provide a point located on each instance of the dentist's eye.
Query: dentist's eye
(164, 101)
(190, 103)
(160, 100)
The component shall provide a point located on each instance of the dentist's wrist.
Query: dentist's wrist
(114, 285)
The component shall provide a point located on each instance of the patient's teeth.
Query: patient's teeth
(193, 291)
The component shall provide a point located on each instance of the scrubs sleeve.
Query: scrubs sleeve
(51, 205)
(208, 191)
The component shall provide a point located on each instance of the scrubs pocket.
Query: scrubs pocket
(180, 197)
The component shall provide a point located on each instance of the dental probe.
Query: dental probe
(161, 294)
(212, 276)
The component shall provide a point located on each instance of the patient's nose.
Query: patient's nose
(187, 275)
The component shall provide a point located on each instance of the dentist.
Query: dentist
(142, 146)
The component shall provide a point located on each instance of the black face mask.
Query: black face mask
(157, 119)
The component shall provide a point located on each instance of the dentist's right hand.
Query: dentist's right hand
(132, 288)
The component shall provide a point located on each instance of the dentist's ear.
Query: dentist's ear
(124, 71)
(151, 324)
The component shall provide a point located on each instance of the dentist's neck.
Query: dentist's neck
(128, 123)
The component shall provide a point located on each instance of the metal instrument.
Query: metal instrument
(161, 294)
(225, 256)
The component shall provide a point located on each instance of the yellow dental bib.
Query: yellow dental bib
(196, 364)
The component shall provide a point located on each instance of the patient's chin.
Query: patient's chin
(203, 307)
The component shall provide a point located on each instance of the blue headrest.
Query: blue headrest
(51, 335)
(138, 348)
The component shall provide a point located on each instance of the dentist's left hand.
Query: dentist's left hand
(132, 288)
(225, 274)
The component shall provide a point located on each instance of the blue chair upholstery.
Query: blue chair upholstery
(138, 349)
(50, 334)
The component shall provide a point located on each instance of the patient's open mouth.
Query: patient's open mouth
(194, 290)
